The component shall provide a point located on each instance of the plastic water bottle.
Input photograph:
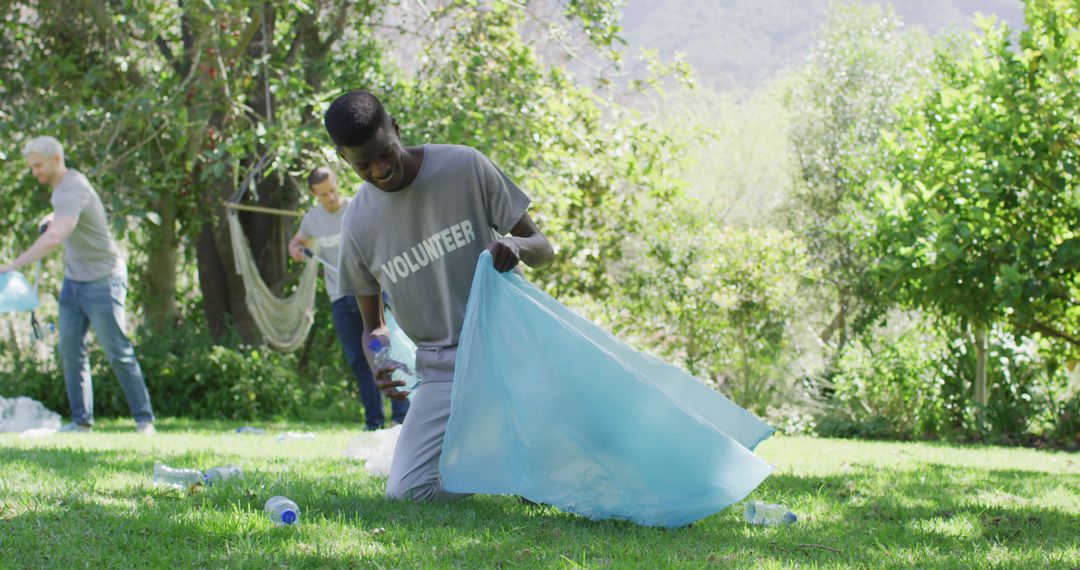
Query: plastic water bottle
(182, 479)
(282, 510)
(292, 435)
(218, 475)
(381, 354)
(759, 513)
(250, 430)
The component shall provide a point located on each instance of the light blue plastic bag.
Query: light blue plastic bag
(548, 406)
(16, 293)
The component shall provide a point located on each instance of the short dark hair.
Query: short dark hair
(319, 175)
(353, 118)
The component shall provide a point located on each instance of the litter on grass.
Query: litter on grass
(375, 449)
(27, 416)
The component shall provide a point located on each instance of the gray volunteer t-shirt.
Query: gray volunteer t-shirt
(90, 252)
(325, 228)
(420, 245)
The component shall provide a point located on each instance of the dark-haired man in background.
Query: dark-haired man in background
(415, 230)
(321, 226)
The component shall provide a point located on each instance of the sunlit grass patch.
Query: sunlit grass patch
(88, 499)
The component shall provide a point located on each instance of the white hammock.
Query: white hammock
(284, 323)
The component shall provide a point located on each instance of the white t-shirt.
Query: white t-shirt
(325, 228)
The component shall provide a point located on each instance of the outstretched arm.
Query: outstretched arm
(58, 230)
(525, 243)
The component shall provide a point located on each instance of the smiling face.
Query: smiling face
(381, 161)
(45, 168)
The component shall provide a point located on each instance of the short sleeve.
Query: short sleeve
(306, 224)
(504, 202)
(69, 202)
(354, 276)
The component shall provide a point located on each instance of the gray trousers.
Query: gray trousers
(414, 473)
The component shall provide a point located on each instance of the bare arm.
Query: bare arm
(525, 243)
(58, 230)
(371, 311)
(297, 245)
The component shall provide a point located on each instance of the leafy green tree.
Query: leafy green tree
(861, 66)
(166, 106)
(589, 164)
(978, 221)
(720, 300)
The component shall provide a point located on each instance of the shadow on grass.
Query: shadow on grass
(944, 509)
(934, 513)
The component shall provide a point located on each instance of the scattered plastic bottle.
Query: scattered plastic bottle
(292, 435)
(282, 510)
(381, 354)
(218, 475)
(183, 479)
(758, 513)
(250, 430)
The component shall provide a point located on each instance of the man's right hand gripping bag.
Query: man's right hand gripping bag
(548, 406)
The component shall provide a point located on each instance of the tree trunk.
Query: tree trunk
(213, 283)
(981, 396)
(838, 324)
(268, 235)
(222, 287)
(160, 306)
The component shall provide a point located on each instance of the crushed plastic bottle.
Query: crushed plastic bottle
(219, 475)
(382, 356)
(183, 479)
(282, 510)
(292, 435)
(759, 513)
(250, 430)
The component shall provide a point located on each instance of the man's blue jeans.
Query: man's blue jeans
(350, 330)
(99, 304)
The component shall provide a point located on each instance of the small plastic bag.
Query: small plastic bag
(16, 293)
(548, 406)
(24, 414)
(375, 449)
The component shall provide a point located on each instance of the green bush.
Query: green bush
(190, 375)
(1066, 431)
(34, 371)
(917, 383)
(885, 385)
(720, 301)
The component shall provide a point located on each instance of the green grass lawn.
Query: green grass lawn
(86, 500)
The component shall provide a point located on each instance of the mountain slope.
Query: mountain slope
(738, 44)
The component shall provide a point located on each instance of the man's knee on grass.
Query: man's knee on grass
(420, 492)
(399, 491)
